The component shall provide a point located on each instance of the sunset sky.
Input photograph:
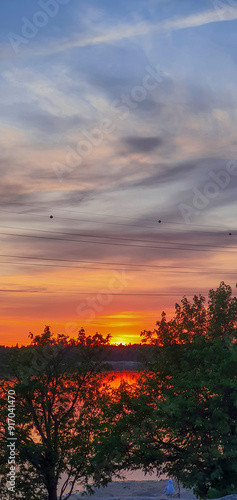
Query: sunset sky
(114, 116)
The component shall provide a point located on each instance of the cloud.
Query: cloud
(142, 144)
(126, 31)
(34, 118)
(45, 91)
(23, 290)
(211, 16)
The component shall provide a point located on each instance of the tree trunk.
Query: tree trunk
(52, 491)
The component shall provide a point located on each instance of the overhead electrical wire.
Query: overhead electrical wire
(110, 237)
(115, 216)
(115, 269)
(120, 241)
(102, 263)
(77, 220)
(118, 223)
(149, 294)
(117, 244)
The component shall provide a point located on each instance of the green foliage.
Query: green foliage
(58, 383)
(191, 384)
(194, 320)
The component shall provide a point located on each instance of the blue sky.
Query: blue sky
(118, 109)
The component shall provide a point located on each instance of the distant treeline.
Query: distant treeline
(113, 354)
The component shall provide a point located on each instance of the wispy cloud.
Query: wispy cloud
(126, 31)
(210, 16)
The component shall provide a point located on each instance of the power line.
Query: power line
(78, 220)
(116, 269)
(98, 292)
(144, 294)
(118, 223)
(154, 221)
(117, 244)
(130, 264)
(112, 237)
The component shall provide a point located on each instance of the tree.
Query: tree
(58, 384)
(190, 383)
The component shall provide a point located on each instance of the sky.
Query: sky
(118, 162)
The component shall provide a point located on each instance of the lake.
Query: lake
(116, 378)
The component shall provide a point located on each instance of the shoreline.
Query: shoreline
(134, 490)
(139, 490)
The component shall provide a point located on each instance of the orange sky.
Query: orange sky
(52, 298)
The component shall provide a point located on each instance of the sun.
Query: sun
(119, 341)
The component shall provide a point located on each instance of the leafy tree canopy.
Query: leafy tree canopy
(58, 415)
(187, 397)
